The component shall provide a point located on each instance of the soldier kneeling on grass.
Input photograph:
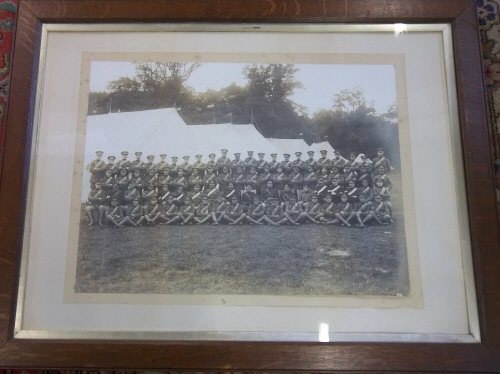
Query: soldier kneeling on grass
(274, 213)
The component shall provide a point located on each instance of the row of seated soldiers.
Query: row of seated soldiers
(233, 211)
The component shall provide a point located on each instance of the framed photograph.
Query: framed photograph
(232, 187)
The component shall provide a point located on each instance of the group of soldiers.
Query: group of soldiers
(224, 190)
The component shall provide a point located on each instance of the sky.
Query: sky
(320, 81)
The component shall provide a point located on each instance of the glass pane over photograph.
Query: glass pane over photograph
(215, 183)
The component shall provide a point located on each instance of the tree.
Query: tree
(269, 88)
(155, 85)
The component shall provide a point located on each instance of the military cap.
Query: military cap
(174, 158)
(286, 154)
(261, 154)
(198, 156)
(323, 151)
(298, 153)
(138, 153)
(124, 153)
(150, 157)
(310, 152)
(250, 152)
(185, 157)
(99, 153)
(336, 151)
(274, 154)
(223, 150)
(163, 155)
(211, 154)
(380, 149)
(237, 153)
(111, 158)
(352, 153)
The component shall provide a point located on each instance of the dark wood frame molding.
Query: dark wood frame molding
(210, 356)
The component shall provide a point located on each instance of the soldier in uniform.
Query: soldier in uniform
(136, 180)
(135, 215)
(170, 210)
(198, 164)
(196, 194)
(113, 213)
(250, 161)
(344, 211)
(122, 179)
(202, 212)
(264, 177)
(239, 178)
(381, 160)
(229, 192)
(321, 189)
(247, 195)
(328, 209)
(280, 178)
(123, 163)
(187, 211)
(181, 179)
(273, 164)
(96, 168)
(381, 212)
(163, 164)
(292, 210)
(137, 164)
(152, 211)
(236, 163)
(298, 161)
(286, 164)
(274, 213)
(185, 165)
(218, 209)
(338, 161)
(252, 177)
(149, 164)
(234, 213)
(211, 160)
(174, 167)
(111, 165)
(212, 192)
(260, 162)
(310, 177)
(95, 202)
(269, 192)
(296, 179)
(194, 178)
(223, 160)
(310, 160)
(323, 161)
(336, 190)
(365, 210)
(352, 162)
(210, 175)
(224, 177)
(255, 211)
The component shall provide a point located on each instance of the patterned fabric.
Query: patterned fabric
(489, 26)
(8, 11)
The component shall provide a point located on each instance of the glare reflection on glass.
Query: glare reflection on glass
(324, 333)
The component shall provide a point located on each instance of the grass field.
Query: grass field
(305, 260)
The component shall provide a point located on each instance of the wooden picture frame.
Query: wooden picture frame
(230, 355)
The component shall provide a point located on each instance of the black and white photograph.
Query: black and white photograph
(234, 178)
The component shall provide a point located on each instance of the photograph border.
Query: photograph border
(201, 355)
